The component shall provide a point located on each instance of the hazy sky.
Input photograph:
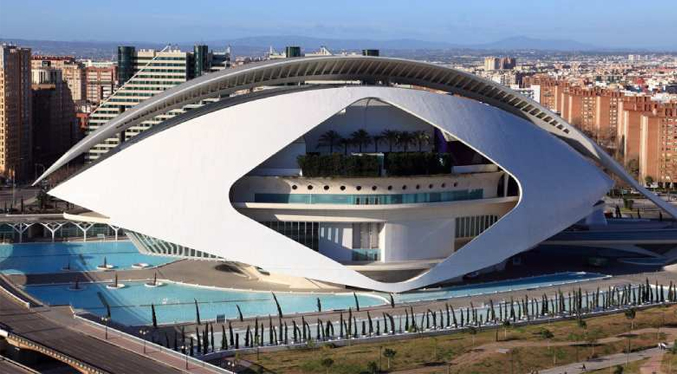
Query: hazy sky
(605, 23)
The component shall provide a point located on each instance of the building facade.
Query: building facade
(141, 75)
(72, 71)
(101, 82)
(15, 112)
(55, 127)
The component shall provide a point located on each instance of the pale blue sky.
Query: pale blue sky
(605, 23)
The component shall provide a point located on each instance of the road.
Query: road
(55, 327)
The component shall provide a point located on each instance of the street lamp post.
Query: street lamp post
(105, 321)
(185, 354)
(143, 333)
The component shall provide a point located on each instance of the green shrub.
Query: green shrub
(338, 165)
(417, 163)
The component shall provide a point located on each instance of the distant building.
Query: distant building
(143, 74)
(657, 153)
(15, 112)
(491, 63)
(507, 63)
(100, 82)
(323, 51)
(72, 71)
(533, 92)
(495, 63)
(292, 51)
(55, 127)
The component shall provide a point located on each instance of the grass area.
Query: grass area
(631, 368)
(669, 364)
(527, 348)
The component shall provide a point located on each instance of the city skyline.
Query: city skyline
(592, 23)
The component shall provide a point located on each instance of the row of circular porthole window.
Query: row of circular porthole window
(374, 188)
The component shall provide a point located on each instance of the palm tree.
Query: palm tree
(345, 143)
(405, 139)
(422, 138)
(390, 137)
(377, 139)
(329, 139)
(360, 138)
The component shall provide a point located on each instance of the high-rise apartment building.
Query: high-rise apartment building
(594, 110)
(496, 63)
(55, 127)
(101, 82)
(143, 74)
(491, 63)
(15, 112)
(658, 146)
(72, 71)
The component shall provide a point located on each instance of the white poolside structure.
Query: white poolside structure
(252, 179)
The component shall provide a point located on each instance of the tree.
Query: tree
(389, 354)
(152, 309)
(197, 313)
(360, 138)
(472, 331)
(327, 363)
(422, 138)
(632, 167)
(377, 139)
(390, 137)
(591, 337)
(345, 143)
(372, 366)
(506, 325)
(547, 334)
(648, 180)
(618, 369)
(330, 139)
(630, 314)
(405, 139)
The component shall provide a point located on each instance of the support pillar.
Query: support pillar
(52, 227)
(20, 228)
(84, 227)
(506, 179)
(116, 229)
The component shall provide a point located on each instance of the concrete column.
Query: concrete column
(84, 227)
(116, 229)
(52, 227)
(21, 228)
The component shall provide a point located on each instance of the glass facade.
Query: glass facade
(154, 246)
(366, 254)
(468, 227)
(306, 233)
(365, 199)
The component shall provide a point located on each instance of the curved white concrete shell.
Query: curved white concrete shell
(357, 68)
(151, 188)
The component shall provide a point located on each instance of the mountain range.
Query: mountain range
(258, 45)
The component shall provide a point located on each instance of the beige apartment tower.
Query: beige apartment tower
(15, 112)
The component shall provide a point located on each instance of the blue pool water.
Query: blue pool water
(499, 286)
(175, 302)
(36, 258)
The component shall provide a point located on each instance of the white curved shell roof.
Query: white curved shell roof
(174, 184)
(333, 68)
